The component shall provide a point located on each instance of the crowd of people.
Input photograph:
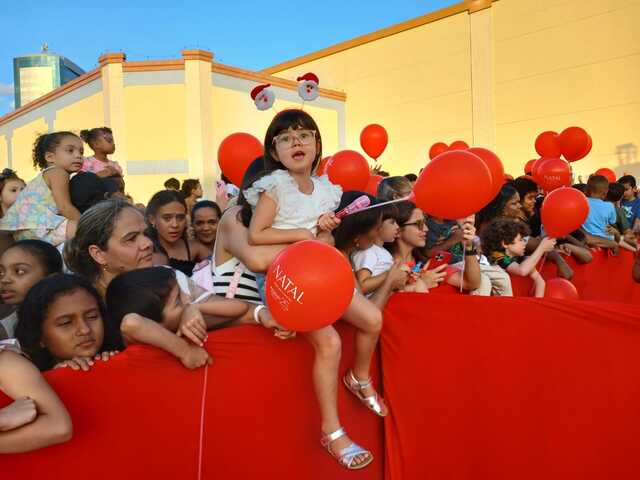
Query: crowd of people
(85, 271)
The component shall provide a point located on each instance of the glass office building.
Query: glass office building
(38, 74)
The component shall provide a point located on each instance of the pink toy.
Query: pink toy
(358, 204)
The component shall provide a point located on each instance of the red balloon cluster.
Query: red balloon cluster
(349, 169)
(236, 152)
(441, 147)
(572, 143)
(563, 211)
(373, 140)
(477, 172)
(372, 185)
(296, 286)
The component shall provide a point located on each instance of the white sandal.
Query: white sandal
(346, 456)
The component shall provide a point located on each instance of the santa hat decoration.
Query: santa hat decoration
(308, 86)
(263, 96)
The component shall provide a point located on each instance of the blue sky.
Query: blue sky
(246, 34)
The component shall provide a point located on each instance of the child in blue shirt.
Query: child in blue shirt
(630, 202)
(602, 214)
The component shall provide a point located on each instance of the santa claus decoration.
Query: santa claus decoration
(308, 86)
(263, 96)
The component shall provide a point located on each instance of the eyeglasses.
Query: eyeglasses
(420, 224)
(285, 140)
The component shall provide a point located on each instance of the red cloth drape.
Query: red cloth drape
(138, 416)
(511, 388)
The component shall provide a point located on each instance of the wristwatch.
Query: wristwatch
(473, 251)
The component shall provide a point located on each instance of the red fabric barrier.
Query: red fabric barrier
(606, 278)
(503, 388)
(138, 416)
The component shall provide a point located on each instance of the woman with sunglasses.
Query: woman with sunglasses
(408, 249)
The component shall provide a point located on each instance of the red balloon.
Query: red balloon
(574, 143)
(494, 165)
(607, 173)
(561, 289)
(348, 169)
(507, 177)
(321, 169)
(436, 149)
(547, 144)
(372, 185)
(552, 173)
(373, 140)
(458, 145)
(528, 167)
(563, 211)
(296, 286)
(434, 192)
(536, 165)
(236, 152)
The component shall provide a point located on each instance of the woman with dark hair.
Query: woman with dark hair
(61, 323)
(110, 239)
(205, 216)
(409, 247)
(167, 227)
(506, 204)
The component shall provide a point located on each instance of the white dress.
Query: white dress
(295, 209)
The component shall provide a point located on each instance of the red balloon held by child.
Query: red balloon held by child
(235, 154)
(296, 286)
(437, 148)
(552, 173)
(349, 169)
(575, 143)
(494, 165)
(607, 173)
(547, 144)
(563, 211)
(458, 145)
(373, 140)
(434, 190)
(561, 289)
(372, 185)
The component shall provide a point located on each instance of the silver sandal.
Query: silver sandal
(373, 402)
(346, 456)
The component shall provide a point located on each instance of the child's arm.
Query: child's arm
(58, 181)
(457, 236)
(394, 279)
(529, 264)
(582, 254)
(601, 242)
(37, 418)
(538, 284)
(138, 329)
(368, 282)
(262, 233)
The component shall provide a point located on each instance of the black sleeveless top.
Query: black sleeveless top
(185, 266)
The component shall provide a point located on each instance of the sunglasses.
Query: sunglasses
(420, 224)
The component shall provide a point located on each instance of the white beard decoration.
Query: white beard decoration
(308, 87)
(263, 97)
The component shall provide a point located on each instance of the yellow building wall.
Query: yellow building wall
(4, 152)
(84, 114)
(156, 130)
(22, 148)
(564, 63)
(417, 84)
(233, 111)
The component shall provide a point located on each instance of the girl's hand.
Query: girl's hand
(104, 356)
(195, 357)
(398, 275)
(266, 320)
(328, 221)
(21, 412)
(192, 325)
(76, 363)
(547, 244)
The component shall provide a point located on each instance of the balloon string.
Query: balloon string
(464, 264)
(202, 405)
